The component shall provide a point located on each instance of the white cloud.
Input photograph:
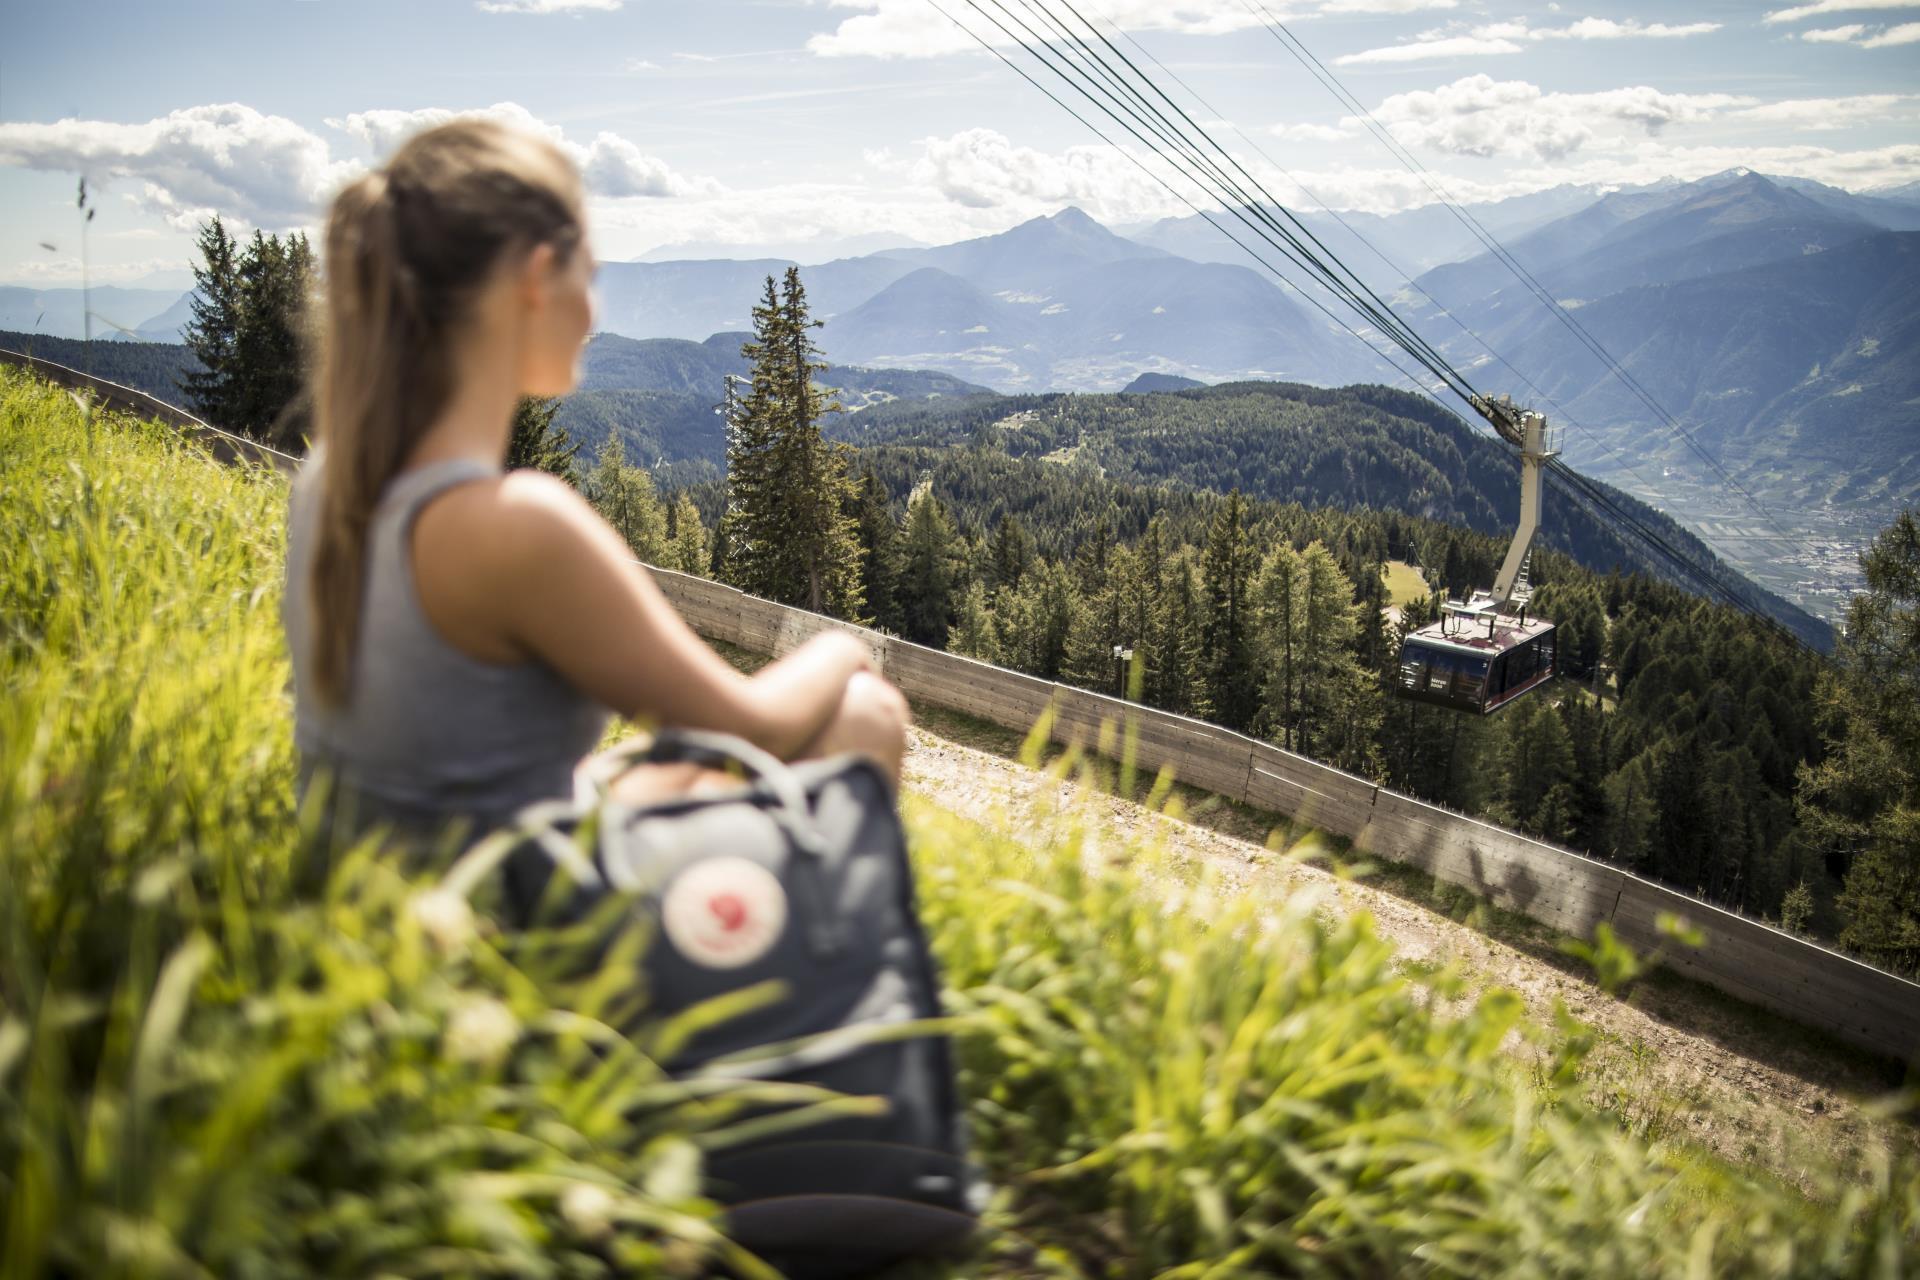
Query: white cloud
(1854, 33)
(545, 6)
(1608, 29)
(1834, 6)
(1480, 116)
(1834, 35)
(1420, 50)
(617, 168)
(1905, 33)
(1315, 132)
(916, 29)
(259, 169)
(612, 166)
(1502, 37)
(1383, 6)
(1828, 113)
(981, 169)
(60, 272)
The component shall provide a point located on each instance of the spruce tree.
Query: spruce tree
(929, 585)
(1232, 682)
(749, 531)
(538, 444)
(624, 496)
(271, 346)
(212, 391)
(879, 538)
(690, 552)
(821, 548)
(973, 632)
(1860, 806)
(791, 536)
(1011, 552)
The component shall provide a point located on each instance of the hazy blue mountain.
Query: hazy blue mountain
(1062, 302)
(1724, 223)
(170, 325)
(1413, 240)
(1147, 383)
(692, 299)
(59, 313)
(1801, 376)
(1034, 254)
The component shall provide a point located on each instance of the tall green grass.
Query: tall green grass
(210, 1067)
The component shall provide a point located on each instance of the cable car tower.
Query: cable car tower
(1484, 651)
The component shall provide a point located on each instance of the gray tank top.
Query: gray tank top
(427, 733)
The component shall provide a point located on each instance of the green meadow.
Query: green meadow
(223, 1055)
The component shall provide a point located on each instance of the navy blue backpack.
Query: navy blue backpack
(799, 874)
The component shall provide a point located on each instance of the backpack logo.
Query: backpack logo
(722, 913)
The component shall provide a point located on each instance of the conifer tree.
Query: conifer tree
(750, 532)
(624, 496)
(538, 444)
(879, 538)
(973, 632)
(271, 347)
(1232, 682)
(1861, 805)
(212, 335)
(821, 544)
(688, 535)
(930, 572)
(1011, 552)
(791, 537)
(249, 333)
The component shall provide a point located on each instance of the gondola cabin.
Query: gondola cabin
(1476, 663)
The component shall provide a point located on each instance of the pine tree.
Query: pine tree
(1232, 682)
(749, 532)
(1011, 552)
(624, 496)
(879, 538)
(791, 536)
(930, 572)
(212, 335)
(1860, 806)
(821, 545)
(688, 535)
(538, 444)
(270, 347)
(973, 632)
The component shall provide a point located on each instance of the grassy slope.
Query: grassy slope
(198, 1061)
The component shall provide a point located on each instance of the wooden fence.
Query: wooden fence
(1753, 962)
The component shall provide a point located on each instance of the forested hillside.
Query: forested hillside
(153, 367)
(1353, 447)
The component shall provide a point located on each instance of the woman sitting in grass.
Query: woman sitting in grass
(460, 632)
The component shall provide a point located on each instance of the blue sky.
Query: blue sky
(814, 128)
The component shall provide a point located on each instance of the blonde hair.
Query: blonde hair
(409, 247)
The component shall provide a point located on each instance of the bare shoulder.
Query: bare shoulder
(498, 523)
(482, 551)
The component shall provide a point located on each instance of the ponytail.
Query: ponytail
(408, 247)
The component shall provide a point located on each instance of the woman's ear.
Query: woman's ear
(536, 276)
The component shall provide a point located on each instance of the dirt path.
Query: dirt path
(1675, 1059)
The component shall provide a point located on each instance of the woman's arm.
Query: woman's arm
(555, 582)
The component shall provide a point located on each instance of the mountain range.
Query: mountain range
(1770, 317)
